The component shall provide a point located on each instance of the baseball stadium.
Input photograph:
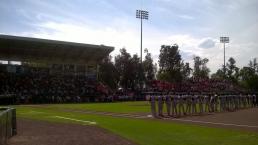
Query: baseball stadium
(55, 89)
(59, 87)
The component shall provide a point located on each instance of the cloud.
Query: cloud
(187, 17)
(195, 27)
(207, 43)
(77, 32)
(128, 37)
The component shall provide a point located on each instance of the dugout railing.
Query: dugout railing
(7, 124)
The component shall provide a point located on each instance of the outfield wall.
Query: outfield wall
(7, 124)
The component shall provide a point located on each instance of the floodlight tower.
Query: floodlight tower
(140, 14)
(224, 40)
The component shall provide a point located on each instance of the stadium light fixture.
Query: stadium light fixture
(224, 40)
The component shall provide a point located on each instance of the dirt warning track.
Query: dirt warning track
(32, 132)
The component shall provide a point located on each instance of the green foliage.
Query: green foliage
(254, 65)
(249, 78)
(253, 83)
(232, 71)
(170, 64)
(148, 67)
(200, 67)
(108, 73)
(218, 75)
(128, 72)
(129, 69)
(246, 77)
(186, 70)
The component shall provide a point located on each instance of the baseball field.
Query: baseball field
(130, 123)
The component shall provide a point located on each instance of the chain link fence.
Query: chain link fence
(7, 124)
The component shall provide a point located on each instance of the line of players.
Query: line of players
(182, 105)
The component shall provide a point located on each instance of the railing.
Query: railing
(7, 124)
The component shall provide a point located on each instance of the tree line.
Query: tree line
(128, 72)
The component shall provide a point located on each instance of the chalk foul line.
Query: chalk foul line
(215, 123)
(111, 114)
(77, 120)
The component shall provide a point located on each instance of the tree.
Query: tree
(136, 77)
(253, 64)
(155, 69)
(148, 66)
(200, 67)
(122, 62)
(219, 74)
(249, 76)
(170, 63)
(186, 70)
(232, 71)
(129, 69)
(197, 66)
(249, 79)
(108, 73)
(246, 73)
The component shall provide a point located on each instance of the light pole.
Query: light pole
(140, 14)
(224, 40)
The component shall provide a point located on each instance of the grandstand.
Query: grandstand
(49, 70)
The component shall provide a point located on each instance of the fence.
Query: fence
(7, 124)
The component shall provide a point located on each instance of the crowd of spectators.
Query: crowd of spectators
(197, 85)
(41, 87)
(207, 85)
(38, 85)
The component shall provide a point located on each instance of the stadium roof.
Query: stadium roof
(16, 48)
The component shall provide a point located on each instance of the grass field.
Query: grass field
(140, 131)
(121, 107)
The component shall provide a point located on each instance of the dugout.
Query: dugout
(20, 55)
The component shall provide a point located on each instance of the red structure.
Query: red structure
(162, 85)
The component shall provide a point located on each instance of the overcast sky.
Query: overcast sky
(195, 25)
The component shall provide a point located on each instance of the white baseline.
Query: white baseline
(77, 120)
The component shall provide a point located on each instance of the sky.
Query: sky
(194, 25)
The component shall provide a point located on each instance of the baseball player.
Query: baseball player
(160, 105)
(200, 102)
(188, 104)
(153, 106)
(174, 105)
(207, 103)
(194, 101)
(181, 110)
(168, 104)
